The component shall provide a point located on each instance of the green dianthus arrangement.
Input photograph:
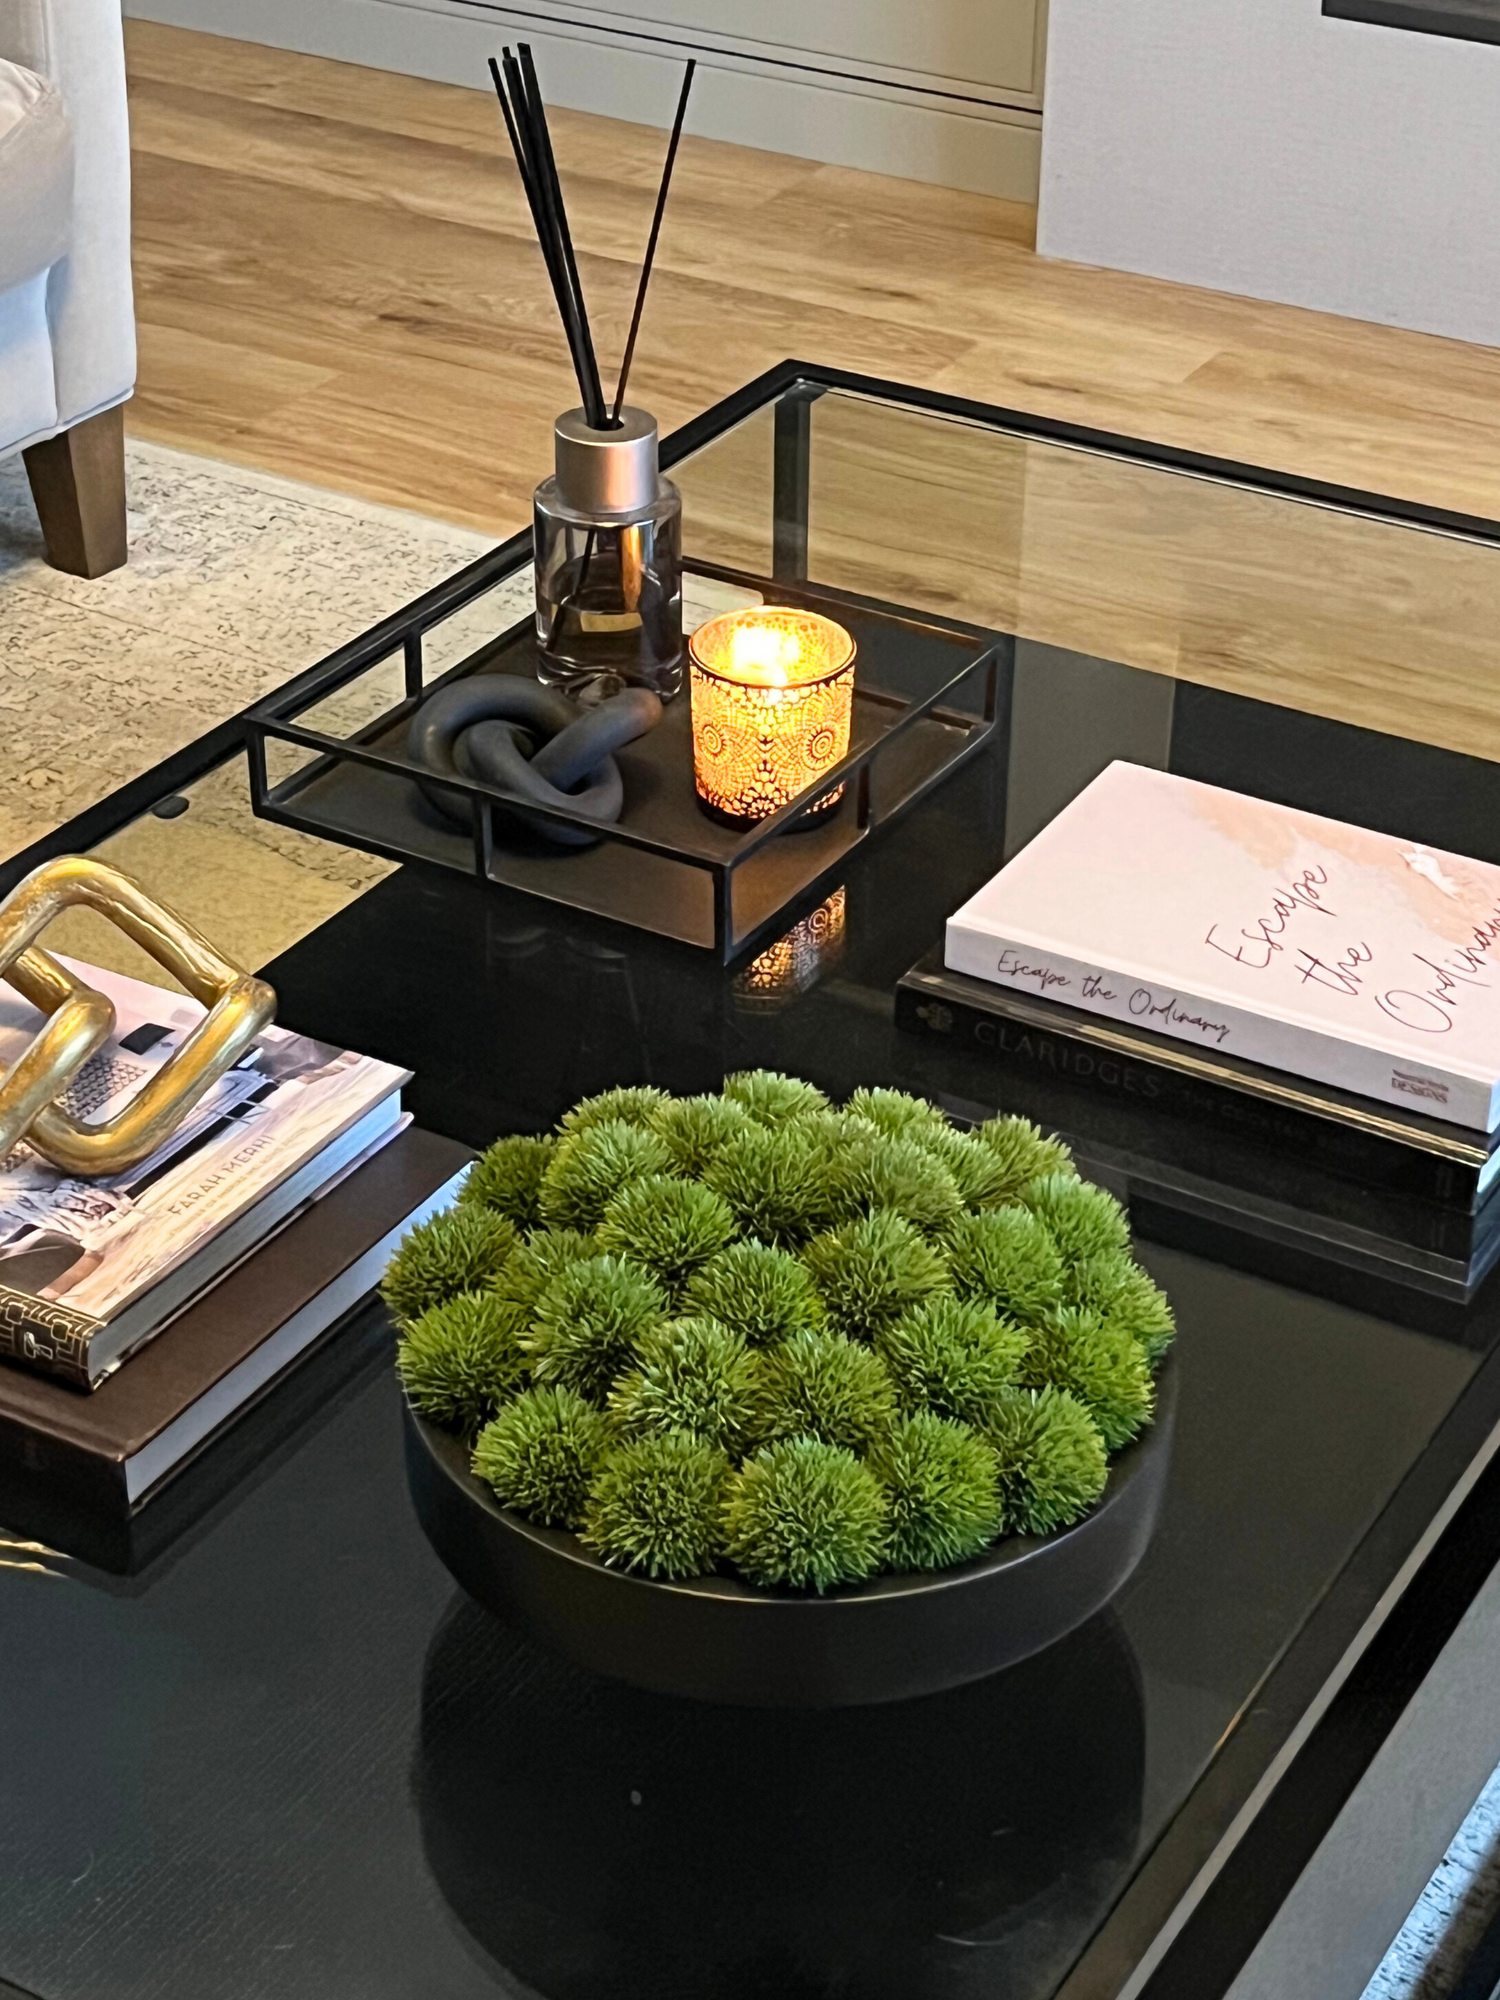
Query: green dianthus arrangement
(761, 1333)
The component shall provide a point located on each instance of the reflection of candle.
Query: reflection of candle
(796, 961)
(772, 692)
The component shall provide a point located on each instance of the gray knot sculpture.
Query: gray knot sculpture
(498, 729)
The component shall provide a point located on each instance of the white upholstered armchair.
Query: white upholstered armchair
(67, 326)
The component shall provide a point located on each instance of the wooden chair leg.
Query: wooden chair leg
(78, 484)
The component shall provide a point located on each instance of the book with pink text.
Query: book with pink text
(1328, 951)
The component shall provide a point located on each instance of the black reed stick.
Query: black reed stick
(593, 392)
(518, 128)
(525, 125)
(517, 146)
(661, 205)
(547, 229)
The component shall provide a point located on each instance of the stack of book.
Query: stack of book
(141, 1313)
(1302, 1013)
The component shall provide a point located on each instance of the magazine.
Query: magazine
(83, 1263)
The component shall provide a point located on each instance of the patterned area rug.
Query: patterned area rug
(236, 581)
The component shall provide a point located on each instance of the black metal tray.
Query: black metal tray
(925, 699)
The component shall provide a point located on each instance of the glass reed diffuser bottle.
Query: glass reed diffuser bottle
(608, 534)
(608, 527)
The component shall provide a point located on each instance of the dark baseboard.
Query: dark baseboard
(1463, 20)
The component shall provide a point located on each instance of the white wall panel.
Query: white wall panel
(1253, 146)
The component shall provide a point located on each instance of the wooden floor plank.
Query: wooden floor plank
(320, 202)
(337, 281)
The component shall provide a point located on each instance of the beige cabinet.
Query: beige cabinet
(948, 91)
(982, 50)
(944, 91)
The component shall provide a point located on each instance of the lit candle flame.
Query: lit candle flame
(764, 653)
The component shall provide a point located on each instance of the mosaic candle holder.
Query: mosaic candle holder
(772, 695)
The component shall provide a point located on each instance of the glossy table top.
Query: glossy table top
(288, 1757)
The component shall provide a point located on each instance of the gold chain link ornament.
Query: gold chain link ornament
(79, 1019)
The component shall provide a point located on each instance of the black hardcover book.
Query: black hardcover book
(81, 1471)
(1280, 1125)
(1174, 1166)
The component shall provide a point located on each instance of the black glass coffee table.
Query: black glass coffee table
(285, 1756)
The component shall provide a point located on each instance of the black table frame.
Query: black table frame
(1198, 1903)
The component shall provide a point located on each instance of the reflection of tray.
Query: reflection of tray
(925, 698)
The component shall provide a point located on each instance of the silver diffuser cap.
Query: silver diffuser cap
(603, 471)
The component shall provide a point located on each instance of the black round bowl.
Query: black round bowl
(718, 1639)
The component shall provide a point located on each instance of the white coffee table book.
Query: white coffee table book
(1349, 957)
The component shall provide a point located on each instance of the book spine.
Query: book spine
(65, 1495)
(1073, 1061)
(41, 1333)
(1218, 1028)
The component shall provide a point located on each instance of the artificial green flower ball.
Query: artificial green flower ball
(1023, 1153)
(1083, 1220)
(589, 1325)
(978, 1173)
(829, 1138)
(942, 1486)
(1115, 1287)
(952, 1356)
(896, 1174)
(822, 1385)
(1072, 1348)
(544, 1255)
(1052, 1461)
(694, 1376)
(459, 1361)
(805, 1514)
(870, 1272)
(540, 1455)
(669, 1226)
(771, 1179)
(1005, 1257)
(508, 1179)
(694, 1128)
(655, 1505)
(772, 1098)
(896, 1114)
(764, 1295)
(463, 1250)
(632, 1104)
(830, 1131)
(591, 1166)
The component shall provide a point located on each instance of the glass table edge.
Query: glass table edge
(1033, 427)
(220, 744)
